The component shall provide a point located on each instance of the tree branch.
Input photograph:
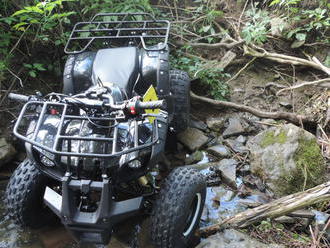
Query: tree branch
(290, 117)
(217, 45)
(303, 84)
(286, 59)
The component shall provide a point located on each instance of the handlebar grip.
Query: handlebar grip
(18, 97)
(151, 104)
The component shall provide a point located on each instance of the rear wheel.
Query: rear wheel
(178, 209)
(24, 197)
(180, 89)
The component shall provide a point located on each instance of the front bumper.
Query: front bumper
(90, 227)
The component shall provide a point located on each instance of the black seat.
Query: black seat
(117, 66)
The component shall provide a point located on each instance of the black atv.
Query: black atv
(95, 153)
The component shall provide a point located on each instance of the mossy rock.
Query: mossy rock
(287, 158)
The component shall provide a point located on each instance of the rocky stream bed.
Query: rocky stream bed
(247, 163)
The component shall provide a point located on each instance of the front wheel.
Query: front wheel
(178, 209)
(24, 197)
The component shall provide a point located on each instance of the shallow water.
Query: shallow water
(48, 237)
(221, 202)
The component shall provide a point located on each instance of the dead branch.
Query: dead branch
(240, 71)
(225, 44)
(276, 208)
(286, 59)
(293, 118)
(303, 84)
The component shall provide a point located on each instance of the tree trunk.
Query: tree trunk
(279, 207)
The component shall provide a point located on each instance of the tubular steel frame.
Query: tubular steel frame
(114, 33)
(56, 148)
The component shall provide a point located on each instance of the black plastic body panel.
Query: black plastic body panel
(90, 227)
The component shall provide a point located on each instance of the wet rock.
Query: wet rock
(7, 152)
(285, 220)
(231, 238)
(194, 158)
(286, 105)
(287, 158)
(241, 139)
(216, 123)
(320, 217)
(234, 128)
(299, 223)
(321, 220)
(253, 201)
(198, 124)
(236, 146)
(219, 151)
(227, 167)
(220, 204)
(193, 138)
(254, 182)
(245, 170)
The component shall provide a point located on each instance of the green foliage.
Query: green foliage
(316, 21)
(214, 77)
(34, 68)
(209, 75)
(204, 24)
(44, 27)
(257, 28)
(115, 6)
(308, 24)
(44, 21)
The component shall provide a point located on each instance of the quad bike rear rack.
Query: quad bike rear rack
(61, 109)
(119, 29)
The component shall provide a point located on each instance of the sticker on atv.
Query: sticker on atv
(151, 95)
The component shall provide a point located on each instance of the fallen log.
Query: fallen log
(276, 208)
(290, 117)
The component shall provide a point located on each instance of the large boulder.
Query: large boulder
(287, 158)
(231, 238)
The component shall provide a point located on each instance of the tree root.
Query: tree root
(276, 208)
(228, 45)
(316, 82)
(290, 117)
(286, 59)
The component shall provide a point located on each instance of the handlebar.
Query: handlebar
(150, 105)
(18, 97)
(98, 103)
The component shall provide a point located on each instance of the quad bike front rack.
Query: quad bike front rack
(61, 110)
(119, 29)
(91, 227)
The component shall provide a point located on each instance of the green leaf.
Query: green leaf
(19, 25)
(58, 42)
(19, 12)
(32, 74)
(274, 2)
(39, 67)
(301, 36)
(27, 66)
